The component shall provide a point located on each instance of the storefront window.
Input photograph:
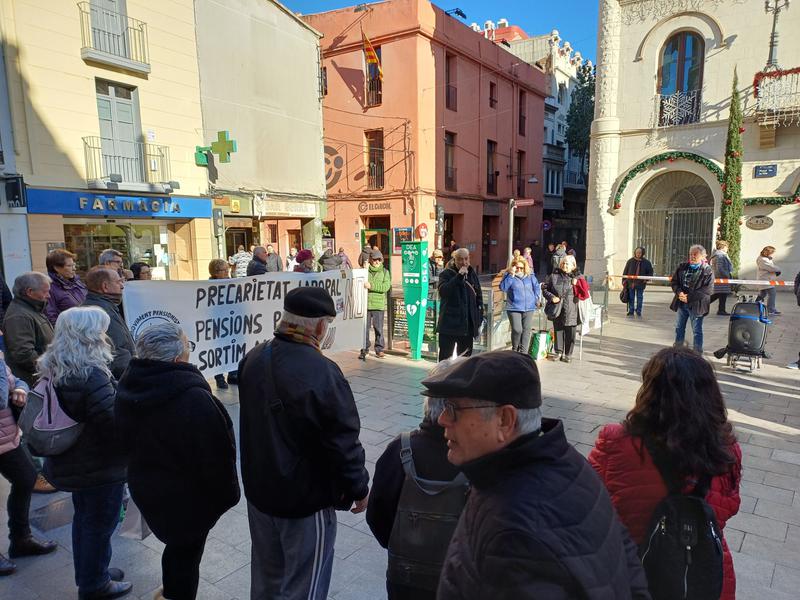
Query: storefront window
(138, 242)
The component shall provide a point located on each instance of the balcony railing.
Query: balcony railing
(128, 162)
(374, 91)
(575, 179)
(451, 97)
(554, 152)
(680, 108)
(778, 97)
(113, 38)
(375, 175)
(522, 121)
(491, 183)
(450, 179)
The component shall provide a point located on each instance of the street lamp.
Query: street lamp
(512, 205)
(775, 7)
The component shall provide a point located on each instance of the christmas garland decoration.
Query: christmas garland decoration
(761, 75)
(665, 157)
(774, 200)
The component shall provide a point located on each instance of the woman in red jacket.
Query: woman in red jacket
(680, 410)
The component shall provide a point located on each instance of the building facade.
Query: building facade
(105, 118)
(664, 77)
(437, 143)
(260, 81)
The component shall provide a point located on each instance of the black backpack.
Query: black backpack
(682, 551)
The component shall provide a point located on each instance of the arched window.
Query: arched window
(680, 79)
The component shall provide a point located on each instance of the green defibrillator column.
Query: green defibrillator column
(415, 292)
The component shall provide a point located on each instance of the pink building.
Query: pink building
(453, 130)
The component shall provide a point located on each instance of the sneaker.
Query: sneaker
(554, 356)
(566, 359)
(113, 589)
(775, 312)
(380, 355)
(794, 365)
(42, 486)
(362, 355)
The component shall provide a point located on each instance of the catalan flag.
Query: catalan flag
(371, 56)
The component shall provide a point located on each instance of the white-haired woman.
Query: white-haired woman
(182, 453)
(560, 289)
(93, 469)
(693, 284)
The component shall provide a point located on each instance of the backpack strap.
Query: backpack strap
(428, 486)
(275, 405)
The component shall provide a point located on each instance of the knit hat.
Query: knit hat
(502, 376)
(312, 302)
(376, 255)
(304, 255)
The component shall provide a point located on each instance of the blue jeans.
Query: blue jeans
(635, 294)
(771, 295)
(685, 315)
(96, 516)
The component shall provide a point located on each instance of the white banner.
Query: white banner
(225, 318)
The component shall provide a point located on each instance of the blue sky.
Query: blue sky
(576, 20)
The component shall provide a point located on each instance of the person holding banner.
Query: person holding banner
(693, 284)
(301, 456)
(218, 269)
(305, 262)
(379, 281)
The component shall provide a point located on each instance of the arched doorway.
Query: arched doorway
(673, 211)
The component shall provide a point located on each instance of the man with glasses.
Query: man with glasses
(379, 281)
(538, 522)
(111, 259)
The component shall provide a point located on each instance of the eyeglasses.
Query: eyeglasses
(452, 410)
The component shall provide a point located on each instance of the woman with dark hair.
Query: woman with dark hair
(637, 266)
(680, 413)
(66, 288)
(141, 271)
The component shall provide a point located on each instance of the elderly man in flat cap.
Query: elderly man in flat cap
(300, 452)
(538, 522)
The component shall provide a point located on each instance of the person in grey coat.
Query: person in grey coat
(723, 269)
(559, 289)
(274, 261)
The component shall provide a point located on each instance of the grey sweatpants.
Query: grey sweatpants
(291, 559)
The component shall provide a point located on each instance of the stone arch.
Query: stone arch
(702, 23)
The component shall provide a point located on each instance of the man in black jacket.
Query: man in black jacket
(301, 457)
(461, 306)
(258, 266)
(693, 284)
(105, 290)
(538, 522)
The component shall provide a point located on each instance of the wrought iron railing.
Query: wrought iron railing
(132, 162)
(491, 183)
(778, 97)
(374, 91)
(375, 172)
(451, 97)
(113, 33)
(450, 179)
(680, 108)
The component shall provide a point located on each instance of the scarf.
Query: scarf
(298, 333)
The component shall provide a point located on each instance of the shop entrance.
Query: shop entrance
(376, 233)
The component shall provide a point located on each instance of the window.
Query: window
(680, 79)
(374, 159)
(562, 94)
(118, 151)
(520, 174)
(324, 81)
(450, 161)
(492, 94)
(451, 92)
(491, 173)
(374, 82)
(523, 98)
(553, 182)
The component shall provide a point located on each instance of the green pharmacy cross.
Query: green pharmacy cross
(222, 147)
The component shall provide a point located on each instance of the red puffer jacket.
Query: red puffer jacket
(636, 487)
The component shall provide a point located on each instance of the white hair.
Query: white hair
(163, 341)
(32, 280)
(528, 419)
(309, 323)
(461, 252)
(79, 345)
(699, 249)
(568, 260)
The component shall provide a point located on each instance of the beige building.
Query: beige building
(260, 80)
(104, 117)
(658, 140)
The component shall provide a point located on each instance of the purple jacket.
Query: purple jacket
(64, 294)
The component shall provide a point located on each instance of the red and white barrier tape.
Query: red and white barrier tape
(723, 281)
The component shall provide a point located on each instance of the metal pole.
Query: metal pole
(511, 205)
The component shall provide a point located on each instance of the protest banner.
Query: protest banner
(225, 318)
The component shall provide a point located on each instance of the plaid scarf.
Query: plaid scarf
(298, 333)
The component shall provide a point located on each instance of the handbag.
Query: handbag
(48, 430)
(624, 294)
(134, 526)
(553, 309)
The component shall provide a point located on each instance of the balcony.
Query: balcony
(451, 97)
(450, 183)
(575, 179)
(680, 108)
(777, 97)
(491, 183)
(375, 175)
(554, 153)
(113, 39)
(374, 91)
(522, 123)
(114, 164)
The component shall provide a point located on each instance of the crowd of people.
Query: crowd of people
(485, 499)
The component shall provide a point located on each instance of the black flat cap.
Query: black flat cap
(502, 376)
(310, 302)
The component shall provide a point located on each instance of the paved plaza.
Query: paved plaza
(765, 406)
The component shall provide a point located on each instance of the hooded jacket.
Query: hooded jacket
(555, 260)
(699, 292)
(122, 341)
(27, 335)
(461, 302)
(539, 524)
(64, 294)
(180, 447)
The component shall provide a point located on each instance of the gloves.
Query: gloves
(777, 273)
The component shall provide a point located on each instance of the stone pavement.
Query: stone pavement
(765, 406)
